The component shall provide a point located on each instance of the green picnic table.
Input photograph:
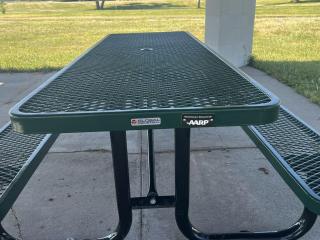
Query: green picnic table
(151, 81)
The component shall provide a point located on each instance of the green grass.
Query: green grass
(43, 36)
(47, 35)
(287, 44)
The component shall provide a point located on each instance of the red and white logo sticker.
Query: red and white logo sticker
(135, 122)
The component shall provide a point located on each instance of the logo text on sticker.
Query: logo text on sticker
(197, 120)
(135, 122)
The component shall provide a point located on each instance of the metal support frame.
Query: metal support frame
(5, 236)
(152, 200)
(151, 166)
(181, 199)
(182, 181)
(122, 183)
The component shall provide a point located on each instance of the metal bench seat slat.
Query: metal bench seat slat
(293, 148)
(20, 154)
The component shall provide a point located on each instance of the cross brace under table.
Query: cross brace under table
(181, 199)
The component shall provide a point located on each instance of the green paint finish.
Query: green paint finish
(144, 76)
(293, 149)
(20, 156)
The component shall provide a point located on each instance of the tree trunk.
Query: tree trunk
(296, 1)
(102, 4)
(199, 3)
(97, 5)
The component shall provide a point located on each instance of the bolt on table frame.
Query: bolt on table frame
(144, 82)
(180, 201)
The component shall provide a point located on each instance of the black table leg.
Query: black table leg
(151, 165)
(182, 182)
(152, 200)
(122, 183)
(4, 235)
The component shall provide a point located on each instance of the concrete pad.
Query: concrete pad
(4, 117)
(72, 196)
(100, 141)
(231, 190)
(15, 86)
(201, 138)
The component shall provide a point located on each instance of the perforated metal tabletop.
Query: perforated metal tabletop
(143, 81)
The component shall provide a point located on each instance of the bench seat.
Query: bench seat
(293, 148)
(20, 155)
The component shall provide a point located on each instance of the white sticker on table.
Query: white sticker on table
(135, 122)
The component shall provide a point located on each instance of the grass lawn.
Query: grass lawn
(43, 36)
(287, 44)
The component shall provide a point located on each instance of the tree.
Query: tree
(296, 1)
(2, 7)
(100, 4)
(199, 3)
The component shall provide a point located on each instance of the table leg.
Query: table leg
(151, 165)
(122, 183)
(152, 200)
(182, 182)
(4, 235)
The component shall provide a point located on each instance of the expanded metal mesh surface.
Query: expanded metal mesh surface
(15, 149)
(145, 71)
(298, 145)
